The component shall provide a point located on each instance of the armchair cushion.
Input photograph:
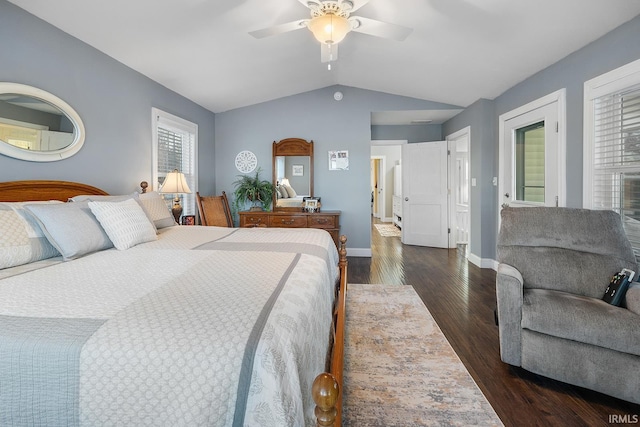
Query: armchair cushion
(581, 319)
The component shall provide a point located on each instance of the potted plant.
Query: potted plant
(252, 189)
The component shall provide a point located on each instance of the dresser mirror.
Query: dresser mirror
(36, 125)
(292, 173)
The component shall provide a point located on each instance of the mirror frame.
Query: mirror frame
(44, 156)
(291, 147)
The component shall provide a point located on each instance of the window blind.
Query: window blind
(616, 173)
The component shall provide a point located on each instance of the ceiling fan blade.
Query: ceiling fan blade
(279, 29)
(376, 28)
(328, 52)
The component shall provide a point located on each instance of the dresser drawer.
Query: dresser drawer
(287, 221)
(321, 221)
(253, 220)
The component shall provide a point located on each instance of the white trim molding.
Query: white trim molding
(559, 96)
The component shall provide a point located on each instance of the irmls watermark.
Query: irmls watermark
(624, 419)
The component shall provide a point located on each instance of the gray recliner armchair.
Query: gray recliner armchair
(555, 264)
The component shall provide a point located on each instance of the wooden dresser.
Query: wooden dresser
(327, 220)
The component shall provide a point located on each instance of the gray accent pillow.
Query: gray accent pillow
(71, 228)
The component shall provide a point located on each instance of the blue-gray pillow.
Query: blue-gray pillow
(71, 228)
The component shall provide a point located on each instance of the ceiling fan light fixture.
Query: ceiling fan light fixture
(329, 28)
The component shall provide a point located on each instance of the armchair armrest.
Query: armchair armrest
(509, 296)
(632, 298)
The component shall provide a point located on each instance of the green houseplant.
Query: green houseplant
(252, 189)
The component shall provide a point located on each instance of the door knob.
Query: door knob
(406, 199)
(506, 195)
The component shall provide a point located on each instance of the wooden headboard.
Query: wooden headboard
(23, 191)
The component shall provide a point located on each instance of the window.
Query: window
(175, 146)
(612, 146)
(529, 163)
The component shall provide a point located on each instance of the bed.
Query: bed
(192, 326)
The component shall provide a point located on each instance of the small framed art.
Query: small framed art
(297, 170)
(189, 220)
(339, 160)
(311, 204)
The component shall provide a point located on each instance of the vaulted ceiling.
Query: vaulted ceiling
(459, 50)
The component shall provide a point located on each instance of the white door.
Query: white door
(532, 154)
(425, 194)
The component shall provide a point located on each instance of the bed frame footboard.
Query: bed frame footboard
(327, 387)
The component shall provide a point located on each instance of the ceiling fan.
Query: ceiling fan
(331, 21)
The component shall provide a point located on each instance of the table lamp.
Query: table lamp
(175, 183)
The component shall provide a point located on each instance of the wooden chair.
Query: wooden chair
(214, 210)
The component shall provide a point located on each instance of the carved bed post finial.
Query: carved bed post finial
(144, 185)
(325, 392)
(342, 252)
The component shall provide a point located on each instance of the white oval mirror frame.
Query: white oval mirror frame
(44, 156)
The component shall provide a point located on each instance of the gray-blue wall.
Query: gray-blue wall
(619, 47)
(113, 101)
(332, 125)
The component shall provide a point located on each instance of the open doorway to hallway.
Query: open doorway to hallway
(387, 195)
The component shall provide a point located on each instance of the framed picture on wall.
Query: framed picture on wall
(297, 170)
(339, 160)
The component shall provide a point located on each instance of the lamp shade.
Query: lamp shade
(285, 181)
(329, 28)
(175, 182)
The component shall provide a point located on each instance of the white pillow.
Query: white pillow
(157, 209)
(290, 191)
(283, 192)
(21, 239)
(125, 223)
(101, 198)
(71, 228)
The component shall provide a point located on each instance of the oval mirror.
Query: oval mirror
(36, 125)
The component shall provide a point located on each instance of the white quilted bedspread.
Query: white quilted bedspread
(179, 320)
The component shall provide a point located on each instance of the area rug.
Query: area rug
(388, 230)
(400, 370)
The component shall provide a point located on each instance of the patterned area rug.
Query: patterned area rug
(400, 370)
(388, 230)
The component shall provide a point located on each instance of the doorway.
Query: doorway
(460, 178)
(378, 187)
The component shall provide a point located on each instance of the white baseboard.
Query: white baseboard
(359, 252)
(483, 262)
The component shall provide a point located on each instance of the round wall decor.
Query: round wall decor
(246, 161)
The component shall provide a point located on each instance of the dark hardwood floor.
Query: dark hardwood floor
(461, 298)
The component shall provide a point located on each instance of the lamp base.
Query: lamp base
(176, 210)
